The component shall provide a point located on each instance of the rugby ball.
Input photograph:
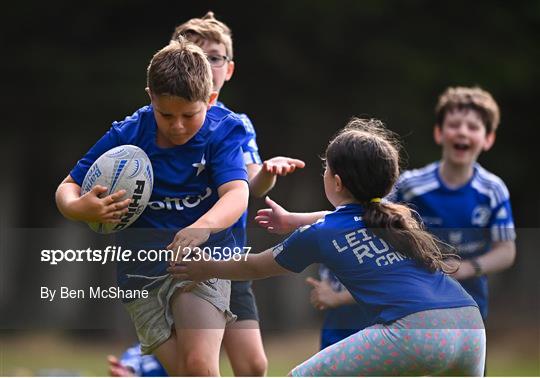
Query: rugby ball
(124, 167)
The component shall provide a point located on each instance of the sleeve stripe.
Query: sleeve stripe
(505, 232)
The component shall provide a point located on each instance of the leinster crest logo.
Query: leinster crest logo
(480, 215)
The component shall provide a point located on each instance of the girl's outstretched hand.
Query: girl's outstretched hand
(275, 219)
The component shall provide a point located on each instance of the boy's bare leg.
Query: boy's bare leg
(167, 354)
(243, 344)
(199, 331)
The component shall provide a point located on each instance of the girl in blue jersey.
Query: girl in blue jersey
(422, 321)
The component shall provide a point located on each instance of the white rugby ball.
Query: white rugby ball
(124, 167)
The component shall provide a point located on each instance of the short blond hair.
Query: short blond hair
(474, 98)
(207, 28)
(180, 69)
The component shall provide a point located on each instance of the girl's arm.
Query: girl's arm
(277, 220)
(250, 267)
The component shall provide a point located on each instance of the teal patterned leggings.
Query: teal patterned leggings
(435, 342)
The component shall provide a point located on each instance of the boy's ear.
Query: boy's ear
(147, 90)
(437, 134)
(212, 99)
(230, 71)
(490, 141)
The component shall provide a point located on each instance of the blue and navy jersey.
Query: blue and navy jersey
(385, 282)
(251, 155)
(470, 218)
(186, 180)
(142, 365)
(340, 322)
(249, 148)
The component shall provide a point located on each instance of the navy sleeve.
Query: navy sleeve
(299, 250)
(226, 162)
(250, 148)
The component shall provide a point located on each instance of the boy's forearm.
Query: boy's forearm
(226, 211)
(499, 258)
(260, 181)
(66, 194)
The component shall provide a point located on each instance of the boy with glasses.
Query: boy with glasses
(242, 339)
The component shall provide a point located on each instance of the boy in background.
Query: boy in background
(460, 201)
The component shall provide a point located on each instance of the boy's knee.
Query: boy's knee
(198, 364)
(254, 367)
(259, 366)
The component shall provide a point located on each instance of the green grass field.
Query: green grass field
(50, 354)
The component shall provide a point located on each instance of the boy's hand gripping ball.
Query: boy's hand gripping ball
(124, 167)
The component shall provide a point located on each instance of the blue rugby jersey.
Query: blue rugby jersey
(251, 155)
(342, 321)
(186, 179)
(386, 283)
(470, 218)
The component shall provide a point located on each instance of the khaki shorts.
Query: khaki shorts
(153, 318)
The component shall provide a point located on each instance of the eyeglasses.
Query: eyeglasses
(217, 61)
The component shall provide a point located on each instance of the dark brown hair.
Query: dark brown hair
(365, 155)
(474, 98)
(180, 69)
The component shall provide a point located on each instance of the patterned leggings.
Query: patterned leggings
(435, 342)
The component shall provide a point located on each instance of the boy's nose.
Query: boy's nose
(462, 128)
(178, 125)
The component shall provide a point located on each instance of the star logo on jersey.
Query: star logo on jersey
(200, 166)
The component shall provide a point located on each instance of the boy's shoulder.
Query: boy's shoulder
(490, 185)
(418, 180)
(246, 121)
(427, 172)
(217, 115)
(222, 124)
(415, 182)
(135, 125)
(140, 115)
